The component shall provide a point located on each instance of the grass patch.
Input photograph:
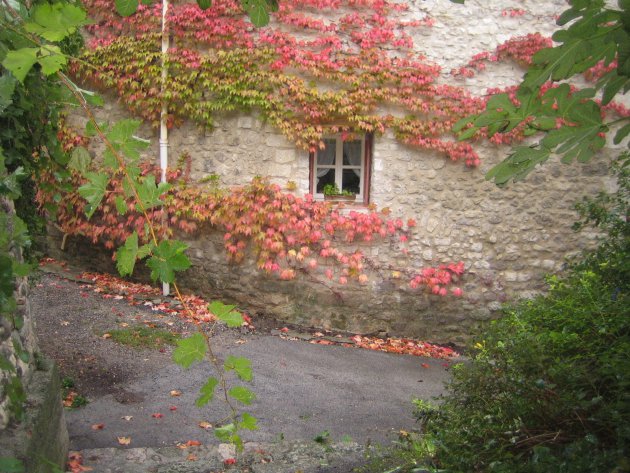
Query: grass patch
(143, 337)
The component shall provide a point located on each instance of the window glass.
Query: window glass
(326, 156)
(352, 153)
(324, 176)
(352, 180)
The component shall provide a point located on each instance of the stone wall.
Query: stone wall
(507, 238)
(38, 437)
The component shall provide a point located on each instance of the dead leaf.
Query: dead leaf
(98, 426)
(107, 335)
(424, 365)
(175, 393)
(193, 443)
(173, 408)
(318, 334)
(157, 415)
(192, 457)
(127, 418)
(124, 324)
(65, 323)
(124, 440)
(205, 425)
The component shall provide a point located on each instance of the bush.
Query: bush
(547, 386)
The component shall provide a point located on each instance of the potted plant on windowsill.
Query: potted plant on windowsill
(332, 193)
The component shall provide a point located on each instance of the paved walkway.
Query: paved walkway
(349, 396)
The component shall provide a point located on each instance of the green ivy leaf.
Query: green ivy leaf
(257, 11)
(22, 269)
(11, 465)
(225, 432)
(248, 422)
(126, 7)
(167, 258)
(121, 204)
(19, 62)
(7, 86)
(93, 191)
(518, 164)
(145, 250)
(207, 392)
(55, 21)
(241, 366)
(204, 4)
(242, 394)
(80, 160)
(150, 192)
(226, 314)
(6, 365)
(189, 350)
(51, 59)
(7, 278)
(127, 254)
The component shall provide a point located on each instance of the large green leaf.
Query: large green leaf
(167, 258)
(204, 4)
(207, 392)
(248, 422)
(93, 191)
(55, 21)
(150, 192)
(242, 394)
(51, 59)
(20, 61)
(126, 7)
(226, 314)
(127, 254)
(257, 11)
(241, 366)
(190, 350)
(80, 160)
(518, 164)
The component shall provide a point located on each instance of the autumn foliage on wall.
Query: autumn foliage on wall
(287, 235)
(322, 67)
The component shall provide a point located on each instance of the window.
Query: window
(345, 163)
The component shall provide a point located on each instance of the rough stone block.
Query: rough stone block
(41, 438)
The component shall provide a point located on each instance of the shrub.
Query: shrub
(546, 388)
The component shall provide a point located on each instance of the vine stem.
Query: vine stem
(121, 163)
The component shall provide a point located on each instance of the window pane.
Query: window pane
(352, 153)
(326, 156)
(352, 180)
(324, 176)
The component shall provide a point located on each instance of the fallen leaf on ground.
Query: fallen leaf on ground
(127, 417)
(65, 323)
(205, 425)
(107, 335)
(284, 329)
(75, 463)
(173, 408)
(124, 440)
(98, 426)
(192, 457)
(190, 443)
(175, 393)
(157, 415)
(424, 365)
(229, 461)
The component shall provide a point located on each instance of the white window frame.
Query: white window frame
(339, 167)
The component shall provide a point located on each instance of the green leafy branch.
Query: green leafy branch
(571, 121)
